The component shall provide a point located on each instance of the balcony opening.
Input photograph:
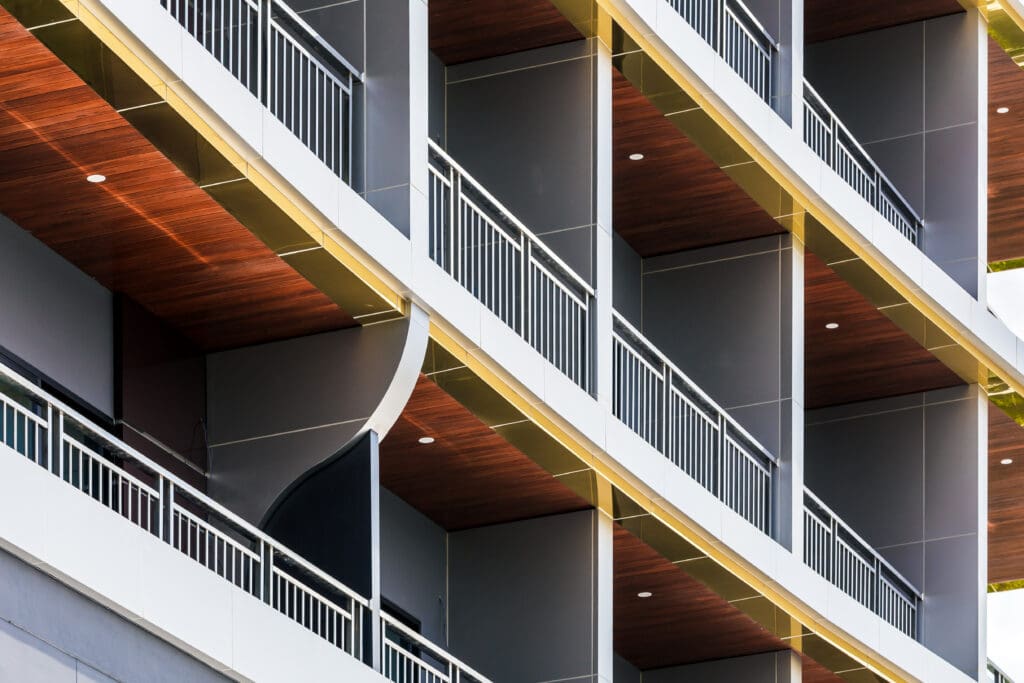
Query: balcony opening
(511, 170)
(897, 118)
(890, 432)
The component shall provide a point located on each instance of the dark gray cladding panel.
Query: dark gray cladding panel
(523, 126)
(925, 138)
(331, 517)
(771, 667)
(51, 634)
(47, 301)
(525, 587)
(903, 473)
(414, 569)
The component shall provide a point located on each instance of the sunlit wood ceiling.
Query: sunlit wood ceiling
(148, 231)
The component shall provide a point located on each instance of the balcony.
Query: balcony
(477, 241)
(658, 401)
(303, 81)
(836, 146)
(834, 550)
(731, 29)
(70, 447)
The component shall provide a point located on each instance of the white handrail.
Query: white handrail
(511, 218)
(690, 385)
(907, 585)
(179, 484)
(390, 622)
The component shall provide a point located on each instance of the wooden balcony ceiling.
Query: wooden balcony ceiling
(462, 31)
(683, 621)
(1005, 162)
(1005, 498)
(868, 356)
(148, 231)
(470, 476)
(676, 197)
(828, 19)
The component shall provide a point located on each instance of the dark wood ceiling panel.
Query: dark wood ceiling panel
(1005, 498)
(1005, 162)
(148, 231)
(462, 31)
(470, 476)
(683, 622)
(676, 197)
(868, 356)
(828, 19)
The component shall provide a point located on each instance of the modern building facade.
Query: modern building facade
(437, 341)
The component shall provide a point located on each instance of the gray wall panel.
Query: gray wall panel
(626, 672)
(523, 126)
(46, 301)
(926, 137)
(904, 474)
(45, 626)
(414, 571)
(627, 279)
(546, 570)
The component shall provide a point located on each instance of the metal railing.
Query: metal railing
(71, 447)
(826, 135)
(834, 550)
(304, 82)
(508, 269)
(655, 399)
(996, 675)
(408, 657)
(731, 29)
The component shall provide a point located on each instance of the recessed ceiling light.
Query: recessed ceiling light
(831, 326)
(96, 178)
(636, 156)
(644, 594)
(1003, 110)
(426, 440)
(1006, 461)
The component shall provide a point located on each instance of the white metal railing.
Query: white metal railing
(996, 675)
(408, 657)
(655, 399)
(508, 269)
(834, 550)
(832, 141)
(731, 29)
(71, 447)
(304, 82)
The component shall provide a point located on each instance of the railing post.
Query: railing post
(53, 437)
(266, 572)
(665, 413)
(263, 53)
(720, 457)
(453, 216)
(167, 511)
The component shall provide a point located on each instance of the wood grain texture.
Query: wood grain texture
(1005, 163)
(470, 476)
(684, 621)
(1005, 498)
(462, 31)
(148, 231)
(676, 197)
(868, 357)
(828, 19)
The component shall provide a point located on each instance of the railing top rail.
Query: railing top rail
(690, 385)
(321, 45)
(907, 585)
(820, 102)
(97, 431)
(428, 645)
(536, 241)
(121, 473)
(751, 19)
